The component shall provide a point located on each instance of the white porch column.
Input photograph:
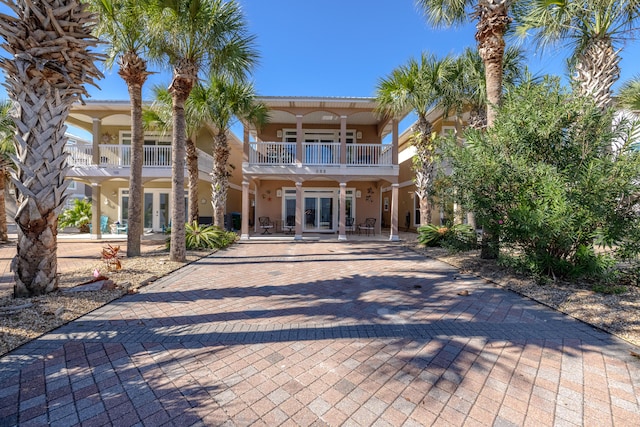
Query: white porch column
(342, 214)
(343, 140)
(244, 228)
(96, 194)
(394, 213)
(299, 139)
(245, 144)
(299, 211)
(97, 125)
(394, 142)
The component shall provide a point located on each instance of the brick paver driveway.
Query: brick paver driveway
(361, 333)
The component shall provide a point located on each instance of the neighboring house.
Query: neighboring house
(319, 162)
(104, 165)
(409, 203)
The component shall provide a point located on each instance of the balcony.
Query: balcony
(156, 159)
(319, 158)
(324, 154)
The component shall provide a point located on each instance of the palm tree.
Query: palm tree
(629, 94)
(159, 116)
(418, 86)
(50, 60)
(220, 101)
(595, 29)
(7, 130)
(121, 24)
(469, 87)
(195, 35)
(492, 18)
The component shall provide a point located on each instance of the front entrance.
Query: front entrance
(319, 212)
(321, 208)
(156, 210)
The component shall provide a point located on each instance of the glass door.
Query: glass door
(156, 210)
(319, 210)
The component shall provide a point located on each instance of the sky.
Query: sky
(343, 48)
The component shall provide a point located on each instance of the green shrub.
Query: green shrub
(458, 237)
(546, 183)
(78, 216)
(206, 237)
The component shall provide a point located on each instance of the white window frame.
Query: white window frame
(150, 138)
(291, 135)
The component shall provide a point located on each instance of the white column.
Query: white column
(343, 140)
(96, 195)
(299, 139)
(244, 228)
(299, 211)
(97, 125)
(394, 213)
(342, 214)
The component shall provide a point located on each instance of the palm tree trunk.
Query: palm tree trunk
(192, 170)
(493, 20)
(40, 184)
(3, 208)
(423, 166)
(185, 75)
(133, 70)
(50, 60)
(220, 184)
(596, 70)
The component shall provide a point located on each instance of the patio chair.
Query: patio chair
(289, 226)
(265, 224)
(369, 226)
(122, 227)
(350, 225)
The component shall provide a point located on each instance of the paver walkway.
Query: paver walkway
(324, 333)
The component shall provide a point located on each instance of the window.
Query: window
(150, 138)
(324, 135)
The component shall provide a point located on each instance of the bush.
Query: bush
(458, 237)
(551, 180)
(78, 216)
(206, 237)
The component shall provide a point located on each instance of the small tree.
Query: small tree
(79, 216)
(546, 180)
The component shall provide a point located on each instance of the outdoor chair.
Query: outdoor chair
(350, 225)
(290, 224)
(265, 224)
(368, 226)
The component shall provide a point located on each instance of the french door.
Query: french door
(320, 208)
(157, 213)
(156, 207)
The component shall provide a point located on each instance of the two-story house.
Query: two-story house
(318, 166)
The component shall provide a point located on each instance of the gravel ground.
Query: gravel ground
(617, 314)
(60, 307)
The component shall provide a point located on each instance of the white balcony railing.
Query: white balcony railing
(369, 155)
(154, 156)
(323, 153)
(272, 153)
(80, 155)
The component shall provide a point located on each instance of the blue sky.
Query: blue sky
(343, 47)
